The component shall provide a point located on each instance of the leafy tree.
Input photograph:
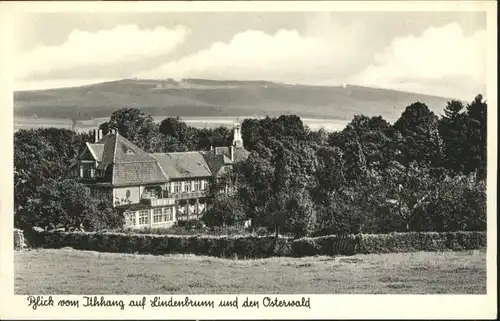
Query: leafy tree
(171, 144)
(34, 166)
(136, 126)
(300, 213)
(252, 132)
(340, 214)
(224, 211)
(68, 203)
(67, 145)
(419, 128)
(255, 188)
(459, 205)
(105, 128)
(211, 137)
(367, 143)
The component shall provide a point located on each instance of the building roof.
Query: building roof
(183, 164)
(96, 150)
(130, 165)
(138, 173)
(117, 149)
(240, 153)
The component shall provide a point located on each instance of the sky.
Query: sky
(436, 53)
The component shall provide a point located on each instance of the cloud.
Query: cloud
(325, 50)
(85, 51)
(441, 61)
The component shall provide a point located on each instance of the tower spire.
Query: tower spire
(237, 139)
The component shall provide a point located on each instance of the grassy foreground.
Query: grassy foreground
(68, 271)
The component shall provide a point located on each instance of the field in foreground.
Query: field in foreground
(67, 271)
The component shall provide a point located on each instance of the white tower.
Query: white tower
(237, 140)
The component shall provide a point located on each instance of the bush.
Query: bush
(258, 247)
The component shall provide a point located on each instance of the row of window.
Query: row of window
(160, 215)
(197, 185)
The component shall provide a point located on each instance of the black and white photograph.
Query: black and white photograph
(261, 152)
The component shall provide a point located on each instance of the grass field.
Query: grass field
(67, 271)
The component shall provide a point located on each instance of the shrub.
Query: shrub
(258, 246)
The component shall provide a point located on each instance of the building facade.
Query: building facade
(155, 190)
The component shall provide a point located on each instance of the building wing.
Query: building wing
(183, 164)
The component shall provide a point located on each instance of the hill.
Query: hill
(202, 97)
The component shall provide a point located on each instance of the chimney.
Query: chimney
(232, 153)
(100, 134)
(96, 136)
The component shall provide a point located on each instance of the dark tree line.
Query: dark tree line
(422, 173)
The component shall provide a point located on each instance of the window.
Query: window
(187, 186)
(129, 218)
(197, 185)
(87, 171)
(204, 185)
(157, 215)
(143, 217)
(177, 187)
(167, 214)
(127, 194)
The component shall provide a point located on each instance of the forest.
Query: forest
(424, 172)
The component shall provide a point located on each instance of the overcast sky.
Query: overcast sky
(439, 53)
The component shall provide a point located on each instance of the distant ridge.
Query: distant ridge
(205, 97)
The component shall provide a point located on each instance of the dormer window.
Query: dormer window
(130, 152)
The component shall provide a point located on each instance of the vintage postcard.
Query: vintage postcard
(248, 160)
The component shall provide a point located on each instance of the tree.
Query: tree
(367, 144)
(255, 188)
(453, 131)
(476, 134)
(34, 166)
(411, 188)
(419, 128)
(300, 213)
(219, 136)
(136, 126)
(67, 145)
(224, 211)
(69, 204)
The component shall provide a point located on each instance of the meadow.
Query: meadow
(68, 271)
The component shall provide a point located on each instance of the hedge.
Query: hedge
(259, 246)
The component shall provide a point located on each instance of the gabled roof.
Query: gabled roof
(118, 149)
(240, 153)
(222, 151)
(96, 150)
(130, 165)
(216, 162)
(183, 164)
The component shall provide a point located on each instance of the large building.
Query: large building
(155, 190)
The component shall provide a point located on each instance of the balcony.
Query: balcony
(152, 201)
(189, 195)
